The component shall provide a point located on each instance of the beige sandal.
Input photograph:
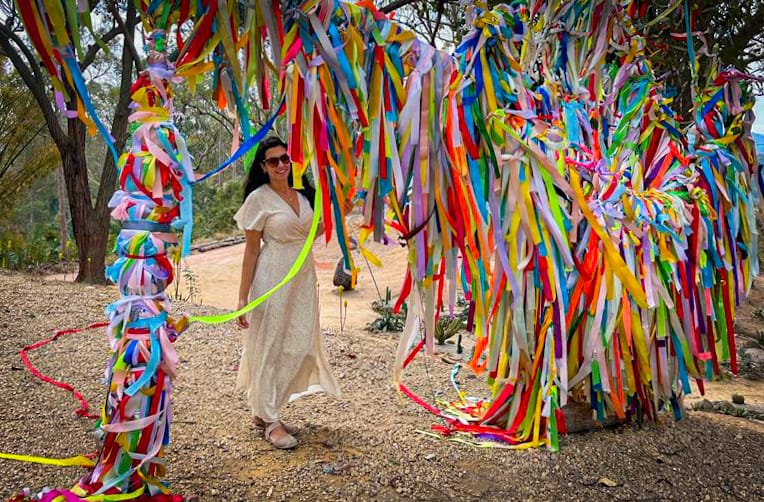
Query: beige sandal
(258, 424)
(286, 442)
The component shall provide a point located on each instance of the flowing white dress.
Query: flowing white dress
(283, 357)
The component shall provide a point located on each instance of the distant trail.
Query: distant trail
(208, 246)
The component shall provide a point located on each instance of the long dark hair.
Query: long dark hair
(258, 177)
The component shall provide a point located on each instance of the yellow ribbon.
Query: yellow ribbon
(78, 461)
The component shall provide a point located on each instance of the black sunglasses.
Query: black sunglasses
(275, 161)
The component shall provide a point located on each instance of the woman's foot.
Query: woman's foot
(259, 425)
(277, 435)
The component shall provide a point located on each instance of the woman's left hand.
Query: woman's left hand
(241, 321)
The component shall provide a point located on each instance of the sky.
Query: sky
(758, 109)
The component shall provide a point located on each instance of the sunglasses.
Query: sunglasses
(275, 161)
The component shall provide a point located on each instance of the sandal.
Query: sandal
(258, 424)
(285, 442)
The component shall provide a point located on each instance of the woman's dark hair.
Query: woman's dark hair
(258, 177)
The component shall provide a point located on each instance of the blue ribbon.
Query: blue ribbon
(246, 147)
(186, 220)
(79, 84)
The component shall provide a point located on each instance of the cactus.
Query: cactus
(447, 327)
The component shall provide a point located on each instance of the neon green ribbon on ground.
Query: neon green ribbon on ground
(296, 266)
(78, 461)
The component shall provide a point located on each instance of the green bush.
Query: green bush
(40, 247)
(214, 207)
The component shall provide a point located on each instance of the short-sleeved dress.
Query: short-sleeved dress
(283, 357)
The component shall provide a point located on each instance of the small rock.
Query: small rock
(738, 399)
(705, 405)
(607, 482)
(328, 469)
(724, 405)
(756, 354)
(429, 456)
(270, 492)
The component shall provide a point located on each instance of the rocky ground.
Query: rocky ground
(364, 445)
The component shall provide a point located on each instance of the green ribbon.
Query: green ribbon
(296, 267)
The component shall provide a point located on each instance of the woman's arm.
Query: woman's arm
(251, 252)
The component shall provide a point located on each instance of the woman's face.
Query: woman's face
(277, 163)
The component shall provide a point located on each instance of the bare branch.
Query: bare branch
(8, 32)
(120, 121)
(19, 151)
(95, 48)
(216, 115)
(438, 21)
(128, 33)
(391, 7)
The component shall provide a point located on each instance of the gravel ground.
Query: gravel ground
(361, 446)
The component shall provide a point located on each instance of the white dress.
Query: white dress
(283, 357)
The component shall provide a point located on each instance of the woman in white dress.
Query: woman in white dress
(283, 356)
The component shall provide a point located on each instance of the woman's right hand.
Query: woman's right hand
(241, 321)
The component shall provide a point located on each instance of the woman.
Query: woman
(283, 356)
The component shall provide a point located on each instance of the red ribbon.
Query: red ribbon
(83, 410)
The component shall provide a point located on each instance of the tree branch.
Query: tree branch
(33, 81)
(397, 4)
(95, 48)
(8, 32)
(438, 21)
(18, 152)
(120, 121)
(216, 115)
(128, 34)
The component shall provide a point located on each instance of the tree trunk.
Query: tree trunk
(90, 222)
(80, 204)
(63, 228)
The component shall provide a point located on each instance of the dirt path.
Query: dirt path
(217, 272)
(215, 275)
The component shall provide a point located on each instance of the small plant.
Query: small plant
(387, 320)
(759, 314)
(31, 249)
(192, 293)
(447, 327)
(451, 324)
(343, 309)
